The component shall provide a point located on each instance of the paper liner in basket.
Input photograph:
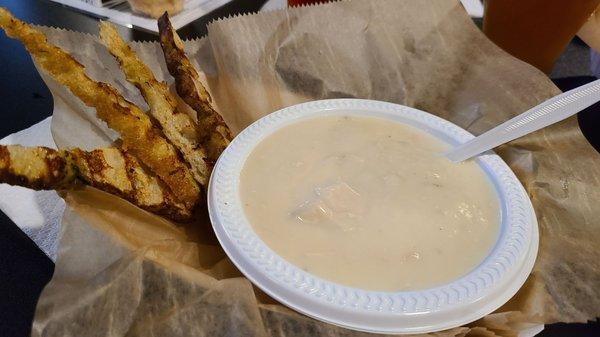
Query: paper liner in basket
(121, 271)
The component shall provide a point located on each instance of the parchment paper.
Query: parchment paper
(121, 271)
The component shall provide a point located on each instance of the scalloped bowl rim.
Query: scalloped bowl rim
(484, 289)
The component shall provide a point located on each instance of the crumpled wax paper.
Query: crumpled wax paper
(121, 271)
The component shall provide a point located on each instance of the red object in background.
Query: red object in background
(303, 2)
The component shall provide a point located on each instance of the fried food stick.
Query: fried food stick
(178, 127)
(216, 135)
(109, 169)
(136, 130)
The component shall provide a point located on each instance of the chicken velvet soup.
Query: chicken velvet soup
(369, 203)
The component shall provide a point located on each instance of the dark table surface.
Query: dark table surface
(25, 100)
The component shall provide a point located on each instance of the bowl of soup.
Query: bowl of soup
(347, 211)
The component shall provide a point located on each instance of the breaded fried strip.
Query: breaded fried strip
(215, 133)
(117, 172)
(178, 127)
(38, 168)
(108, 169)
(137, 132)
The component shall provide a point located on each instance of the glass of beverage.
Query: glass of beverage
(535, 31)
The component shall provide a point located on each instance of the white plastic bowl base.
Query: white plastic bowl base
(469, 298)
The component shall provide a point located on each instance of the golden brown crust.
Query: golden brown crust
(95, 171)
(215, 134)
(156, 197)
(117, 172)
(137, 132)
(179, 128)
(37, 168)
(109, 169)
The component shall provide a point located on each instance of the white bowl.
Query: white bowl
(485, 288)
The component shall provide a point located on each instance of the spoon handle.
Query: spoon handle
(549, 112)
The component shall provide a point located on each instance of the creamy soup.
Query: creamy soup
(369, 203)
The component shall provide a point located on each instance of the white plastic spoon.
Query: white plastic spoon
(549, 112)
